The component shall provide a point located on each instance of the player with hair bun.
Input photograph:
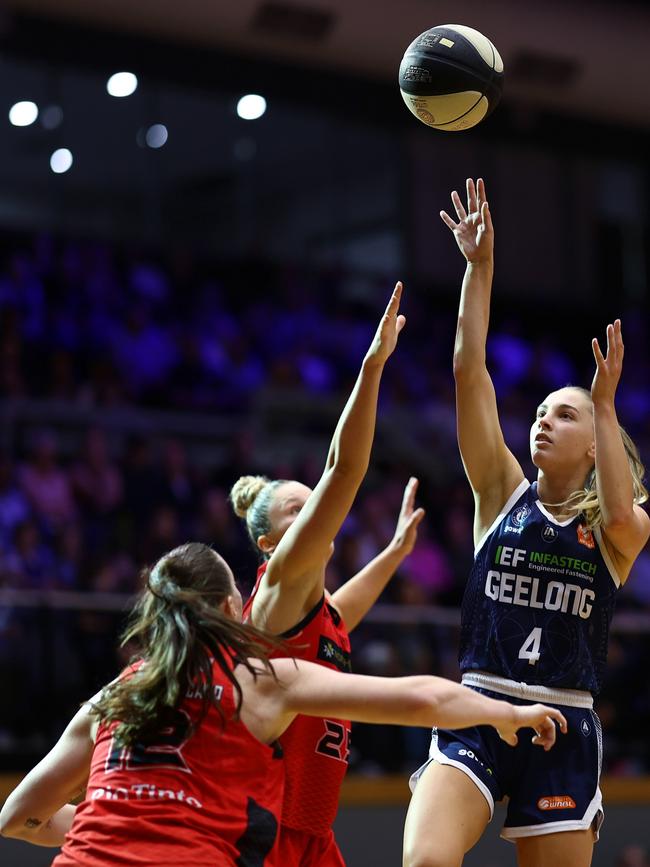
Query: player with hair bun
(293, 528)
(549, 560)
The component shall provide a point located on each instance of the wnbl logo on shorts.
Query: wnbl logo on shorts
(556, 802)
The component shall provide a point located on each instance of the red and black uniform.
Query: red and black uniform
(212, 796)
(315, 750)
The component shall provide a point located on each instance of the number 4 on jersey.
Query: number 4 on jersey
(530, 648)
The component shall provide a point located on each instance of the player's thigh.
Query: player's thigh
(446, 817)
(564, 849)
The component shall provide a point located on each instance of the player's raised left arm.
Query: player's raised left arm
(306, 544)
(625, 524)
(38, 811)
(419, 700)
(357, 596)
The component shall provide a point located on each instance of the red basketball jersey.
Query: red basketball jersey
(315, 750)
(213, 796)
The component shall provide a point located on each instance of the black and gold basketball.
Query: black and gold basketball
(451, 77)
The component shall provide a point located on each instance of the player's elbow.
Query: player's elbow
(459, 365)
(10, 826)
(467, 367)
(347, 471)
(424, 704)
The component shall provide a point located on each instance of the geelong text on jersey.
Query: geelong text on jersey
(525, 591)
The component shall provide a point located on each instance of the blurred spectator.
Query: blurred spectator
(91, 326)
(149, 281)
(96, 480)
(427, 568)
(68, 570)
(46, 485)
(12, 373)
(162, 534)
(510, 356)
(14, 508)
(143, 486)
(64, 382)
(178, 487)
(143, 351)
(117, 573)
(217, 526)
(22, 290)
(29, 563)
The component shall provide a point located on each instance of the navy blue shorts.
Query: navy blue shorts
(549, 791)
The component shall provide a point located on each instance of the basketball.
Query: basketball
(451, 77)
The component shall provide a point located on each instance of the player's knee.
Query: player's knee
(420, 855)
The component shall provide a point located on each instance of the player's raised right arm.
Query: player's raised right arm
(492, 470)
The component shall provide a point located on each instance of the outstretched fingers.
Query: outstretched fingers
(408, 500)
(416, 519)
(472, 201)
(390, 325)
(458, 206)
(391, 313)
(598, 355)
(615, 340)
(486, 217)
(446, 219)
(610, 342)
(618, 337)
(618, 331)
(480, 192)
(409, 518)
(393, 304)
(615, 348)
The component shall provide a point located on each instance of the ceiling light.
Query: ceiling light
(251, 107)
(60, 161)
(122, 84)
(156, 135)
(23, 113)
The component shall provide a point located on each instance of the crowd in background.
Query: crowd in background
(89, 325)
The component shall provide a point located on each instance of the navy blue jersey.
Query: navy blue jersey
(539, 600)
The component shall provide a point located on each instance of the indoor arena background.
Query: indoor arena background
(190, 300)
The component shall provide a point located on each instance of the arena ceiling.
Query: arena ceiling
(586, 58)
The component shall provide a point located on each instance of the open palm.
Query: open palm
(473, 232)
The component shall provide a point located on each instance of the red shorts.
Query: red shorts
(299, 849)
